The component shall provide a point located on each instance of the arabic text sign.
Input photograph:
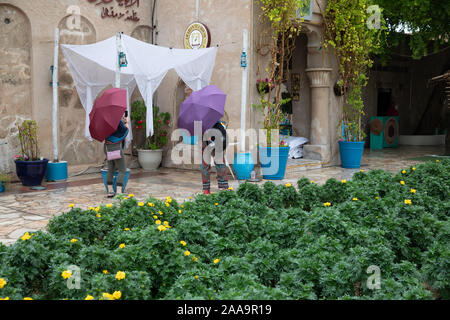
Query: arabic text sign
(125, 10)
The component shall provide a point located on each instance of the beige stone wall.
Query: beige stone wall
(26, 51)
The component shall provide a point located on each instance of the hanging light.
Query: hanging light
(123, 60)
(51, 79)
(244, 60)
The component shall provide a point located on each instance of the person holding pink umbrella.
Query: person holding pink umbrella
(108, 125)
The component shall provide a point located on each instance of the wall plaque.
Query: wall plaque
(197, 36)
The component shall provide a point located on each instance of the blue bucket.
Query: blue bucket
(2, 187)
(56, 171)
(243, 165)
(189, 139)
(273, 162)
(351, 153)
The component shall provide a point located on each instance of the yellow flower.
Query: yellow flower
(120, 275)
(26, 236)
(312, 181)
(74, 240)
(166, 223)
(377, 197)
(413, 169)
(186, 253)
(403, 171)
(179, 211)
(413, 190)
(91, 208)
(361, 170)
(122, 245)
(216, 204)
(155, 217)
(230, 188)
(108, 296)
(109, 205)
(3, 282)
(7, 298)
(66, 274)
(355, 199)
(194, 258)
(126, 229)
(437, 160)
(117, 295)
(402, 182)
(196, 277)
(190, 198)
(183, 243)
(216, 261)
(27, 298)
(130, 195)
(97, 209)
(98, 215)
(162, 228)
(167, 204)
(158, 222)
(344, 181)
(160, 212)
(181, 206)
(150, 204)
(105, 271)
(71, 205)
(288, 185)
(407, 201)
(327, 204)
(141, 204)
(89, 297)
(126, 198)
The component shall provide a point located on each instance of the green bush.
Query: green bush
(269, 242)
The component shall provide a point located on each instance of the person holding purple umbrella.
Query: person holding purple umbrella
(219, 137)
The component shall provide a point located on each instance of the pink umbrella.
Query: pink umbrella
(107, 112)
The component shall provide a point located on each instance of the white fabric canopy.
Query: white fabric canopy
(93, 67)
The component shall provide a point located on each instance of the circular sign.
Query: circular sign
(197, 36)
(391, 131)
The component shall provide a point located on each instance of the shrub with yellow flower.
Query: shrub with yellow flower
(66, 274)
(3, 283)
(26, 236)
(187, 253)
(120, 275)
(413, 191)
(216, 261)
(73, 240)
(288, 185)
(141, 204)
(402, 182)
(122, 245)
(327, 204)
(117, 295)
(89, 297)
(408, 201)
(162, 228)
(183, 243)
(71, 205)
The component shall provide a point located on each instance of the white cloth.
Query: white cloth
(296, 144)
(93, 68)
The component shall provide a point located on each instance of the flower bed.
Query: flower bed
(270, 242)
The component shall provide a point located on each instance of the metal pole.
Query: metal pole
(55, 97)
(119, 49)
(244, 92)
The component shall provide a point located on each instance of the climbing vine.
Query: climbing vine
(353, 40)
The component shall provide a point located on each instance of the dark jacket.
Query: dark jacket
(119, 135)
(221, 128)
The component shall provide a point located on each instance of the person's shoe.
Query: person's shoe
(206, 192)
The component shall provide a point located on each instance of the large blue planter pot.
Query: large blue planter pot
(273, 162)
(31, 173)
(243, 165)
(351, 153)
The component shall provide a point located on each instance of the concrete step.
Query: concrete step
(298, 165)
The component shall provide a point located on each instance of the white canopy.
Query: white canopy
(93, 67)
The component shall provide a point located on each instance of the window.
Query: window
(306, 11)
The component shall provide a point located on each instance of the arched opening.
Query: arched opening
(74, 146)
(15, 79)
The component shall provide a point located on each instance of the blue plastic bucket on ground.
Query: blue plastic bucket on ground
(56, 171)
(243, 165)
(273, 162)
(2, 187)
(351, 153)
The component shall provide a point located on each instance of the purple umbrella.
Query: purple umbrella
(206, 105)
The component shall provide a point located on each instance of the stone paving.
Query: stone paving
(23, 210)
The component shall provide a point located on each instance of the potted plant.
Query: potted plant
(282, 17)
(353, 41)
(5, 179)
(30, 166)
(150, 151)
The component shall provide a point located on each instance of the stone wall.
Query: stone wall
(26, 48)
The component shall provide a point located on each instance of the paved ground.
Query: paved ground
(23, 210)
